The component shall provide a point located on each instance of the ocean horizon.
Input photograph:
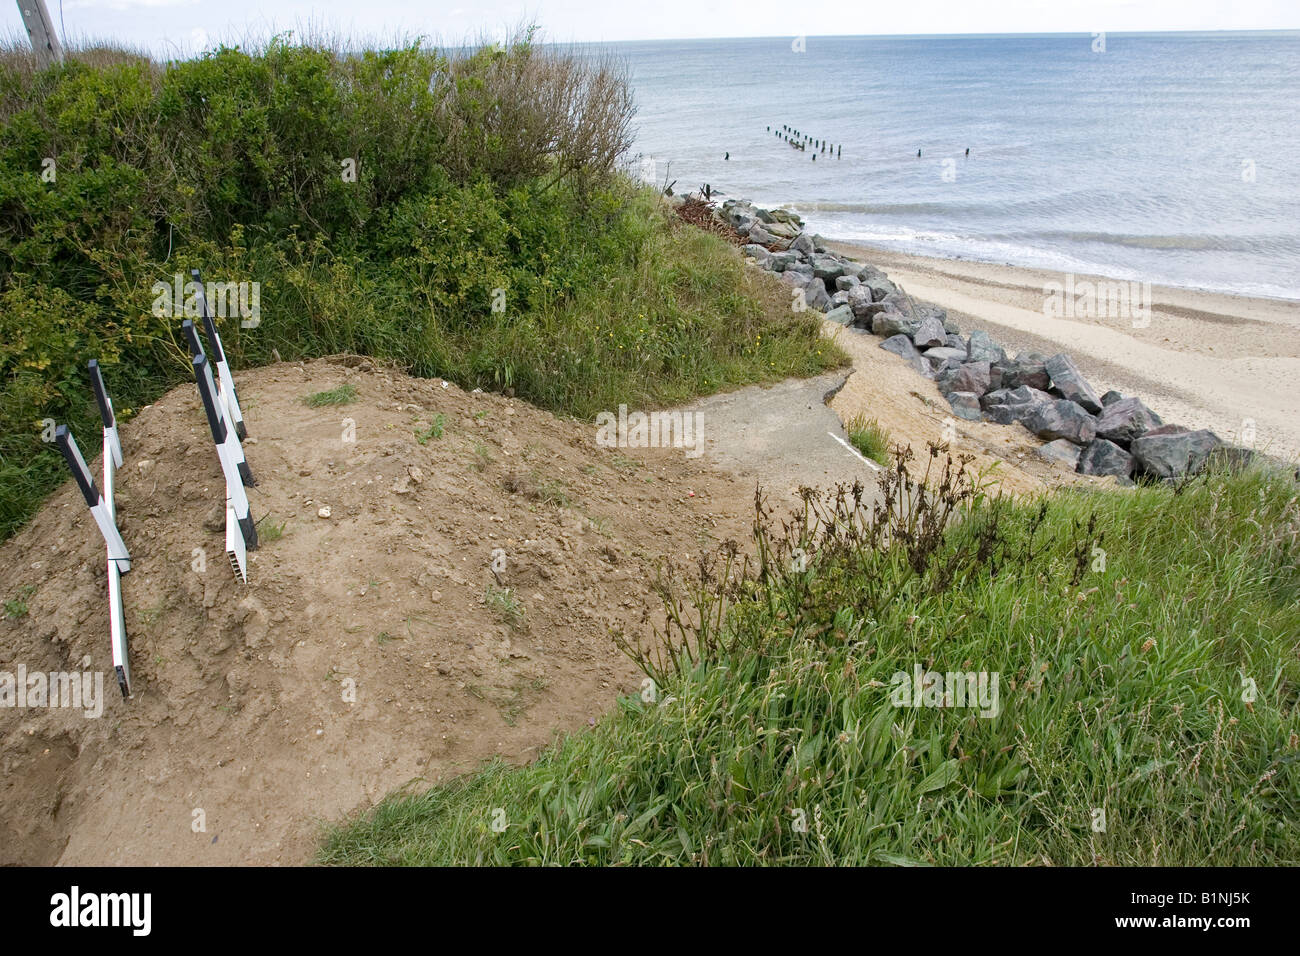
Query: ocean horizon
(1164, 157)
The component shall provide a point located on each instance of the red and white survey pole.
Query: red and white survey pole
(241, 532)
(104, 511)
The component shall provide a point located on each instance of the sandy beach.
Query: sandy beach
(1204, 360)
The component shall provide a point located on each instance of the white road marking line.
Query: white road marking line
(865, 459)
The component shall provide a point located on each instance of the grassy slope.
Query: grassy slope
(1123, 693)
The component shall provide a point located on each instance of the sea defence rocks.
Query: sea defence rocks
(1103, 457)
(1048, 395)
(1069, 383)
(1126, 419)
(1061, 418)
(1169, 454)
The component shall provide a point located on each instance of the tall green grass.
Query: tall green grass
(1147, 648)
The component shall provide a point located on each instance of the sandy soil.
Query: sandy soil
(1206, 360)
(240, 708)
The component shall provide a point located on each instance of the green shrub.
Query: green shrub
(488, 237)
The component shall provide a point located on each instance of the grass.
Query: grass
(1149, 710)
(269, 532)
(505, 604)
(869, 437)
(553, 491)
(434, 430)
(343, 395)
(16, 606)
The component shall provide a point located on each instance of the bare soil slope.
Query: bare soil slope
(240, 706)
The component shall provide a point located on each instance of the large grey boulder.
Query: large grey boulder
(845, 282)
(1061, 451)
(933, 312)
(781, 230)
(1126, 419)
(982, 348)
(878, 284)
(840, 298)
(1008, 406)
(899, 302)
(965, 405)
(758, 233)
(890, 322)
(780, 261)
(1061, 418)
(901, 345)
(760, 253)
(816, 296)
(803, 244)
(841, 314)
(1069, 382)
(1022, 371)
(943, 353)
(941, 365)
(929, 334)
(955, 341)
(1103, 457)
(860, 302)
(1009, 414)
(734, 209)
(1020, 395)
(1169, 454)
(827, 268)
(968, 377)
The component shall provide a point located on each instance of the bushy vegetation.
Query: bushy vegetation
(486, 237)
(1146, 645)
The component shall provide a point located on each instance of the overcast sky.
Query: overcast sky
(171, 26)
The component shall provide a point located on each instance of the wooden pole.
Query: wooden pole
(40, 28)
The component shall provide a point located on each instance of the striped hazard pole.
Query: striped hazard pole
(104, 511)
(241, 532)
(241, 463)
(225, 383)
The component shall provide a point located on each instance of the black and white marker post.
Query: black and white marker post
(241, 532)
(225, 383)
(105, 513)
(196, 349)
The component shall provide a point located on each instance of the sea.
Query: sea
(1172, 158)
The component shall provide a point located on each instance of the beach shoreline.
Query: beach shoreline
(1199, 358)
